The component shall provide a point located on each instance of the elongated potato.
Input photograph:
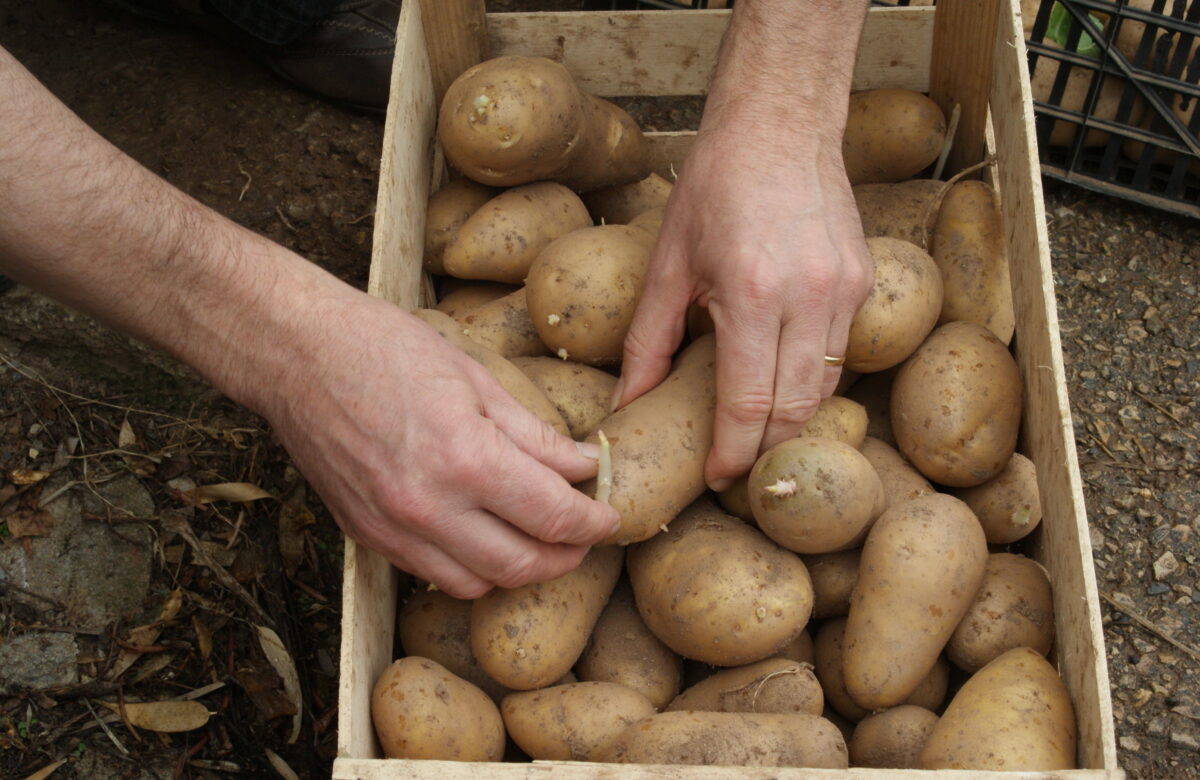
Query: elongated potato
(573, 722)
(906, 210)
(799, 649)
(583, 289)
(619, 205)
(716, 590)
(659, 444)
(956, 405)
(892, 739)
(509, 376)
(1013, 608)
(420, 710)
(921, 567)
(436, 626)
(503, 326)
(774, 685)
(612, 152)
(833, 576)
(529, 637)
(623, 650)
(1014, 714)
(469, 295)
(901, 482)
(448, 209)
(581, 394)
(503, 237)
(1009, 504)
(735, 499)
(891, 135)
(731, 739)
(968, 247)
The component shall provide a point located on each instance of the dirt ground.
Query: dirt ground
(304, 173)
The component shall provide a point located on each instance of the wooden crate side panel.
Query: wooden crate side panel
(1066, 546)
(652, 53)
(398, 244)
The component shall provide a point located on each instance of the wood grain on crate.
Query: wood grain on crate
(960, 72)
(458, 29)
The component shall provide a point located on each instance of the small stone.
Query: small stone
(1142, 697)
(1130, 743)
(1158, 588)
(1181, 533)
(1184, 740)
(38, 660)
(1159, 534)
(1097, 537)
(1157, 728)
(1165, 566)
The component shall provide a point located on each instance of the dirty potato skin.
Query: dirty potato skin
(833, 576)
(774, 685)
(503, 326)
(906, 210)
(583, 289)
(956, 406)
(716, 590)
(612, 152)
(1013, 715)
(623, 650)
(921, 566)
(892, 739)
(572, 722)
(1013, 608)
(420, 710)
(448, 209)
(581, 394)
(901, 310)
(659, 444)
(901, 482)
(1009, 504)
(838, 418)
(891, 135)
(529, 637)
(620, 205)
(503, 237)
(460, 297)
(436, 626)
(731, 739)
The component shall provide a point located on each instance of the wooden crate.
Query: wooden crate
(668, 53)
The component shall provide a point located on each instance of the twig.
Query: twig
(1145, 623)
(284, 219)
(1103, 446)
(1158, 406)
(356, 220)
(249, 180)
(104, 726)
(951, 131)
(181, 527)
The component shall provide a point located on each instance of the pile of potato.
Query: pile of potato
(851, 600)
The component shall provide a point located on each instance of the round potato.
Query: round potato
(716, 590)
(469, 295)
(503, 326)
(448, 209)
(892, 739)
(420, 710)
(906, 210)
(1008, 505)
(573, 722)
(583, 289)
(837, 418)
(814, 495)
(619, 205)
(735, 499)
(799, 649)
(901, 310)
(901, 482)
(1013, 608)
(773, 685)
(833, 576)
(1012, 715)
(731, 739)
(436, 626)
(956, 406)
(581, 394)
(623, 650)
(891, 135)
(529, 637)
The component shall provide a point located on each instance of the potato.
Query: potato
(503, 326)
(583, 290)
(735, 499)
(448, 209)
(420, 710)
(1013, 608)
(581, 394)
(514, 120)
(1008, 505)
(467, 296)
(623, 650)
(828, 655)
(921, 566)
(906, 210)
(716, 590)
(1075, 97)
(901, 310)
(874, 392)
(968, 247)
(774, 685)
(842, 725)
(837, 418)
(901, 482)
(503, 237)
(814, 495)
(891, 135)
(1014, 714)
(956, 406)
(651, 222)
(799, 649)
(572, 722)
(436, 626)
(659, 443)
(731, 739)
(531, 636)
(619, 205)
(509, 376)
(892, 739)
(833, 576)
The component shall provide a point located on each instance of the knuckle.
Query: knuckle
(561, 520)
(465, 590)
(749, 408)
(795, 411)
(520, 569)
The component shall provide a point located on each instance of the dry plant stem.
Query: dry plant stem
(1145, 623)
(181, 527)
(104, 727)
(604, 470)
(758, 685)
(951, 130)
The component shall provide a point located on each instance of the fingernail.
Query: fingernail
(588, 450)
(616, 526)
(618, 391)
(720, 485)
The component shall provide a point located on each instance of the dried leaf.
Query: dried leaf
(171, 607)
(26, 476)
(264, 687)
(30, 522)
(229, 491)
(153, 667)
(126, 439)
(48, 770)
(164, 716)
(294, 515)
(279, 657)
(203, 637)
(280, 765)
(144, 636)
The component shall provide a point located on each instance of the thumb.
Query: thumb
(575, 461)
(657, 328)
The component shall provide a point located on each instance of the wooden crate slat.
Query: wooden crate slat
(455, 38)
(960, 73)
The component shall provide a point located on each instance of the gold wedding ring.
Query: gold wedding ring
(834, 361)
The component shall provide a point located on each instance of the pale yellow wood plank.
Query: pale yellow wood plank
(961, 72)
(455, 37)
